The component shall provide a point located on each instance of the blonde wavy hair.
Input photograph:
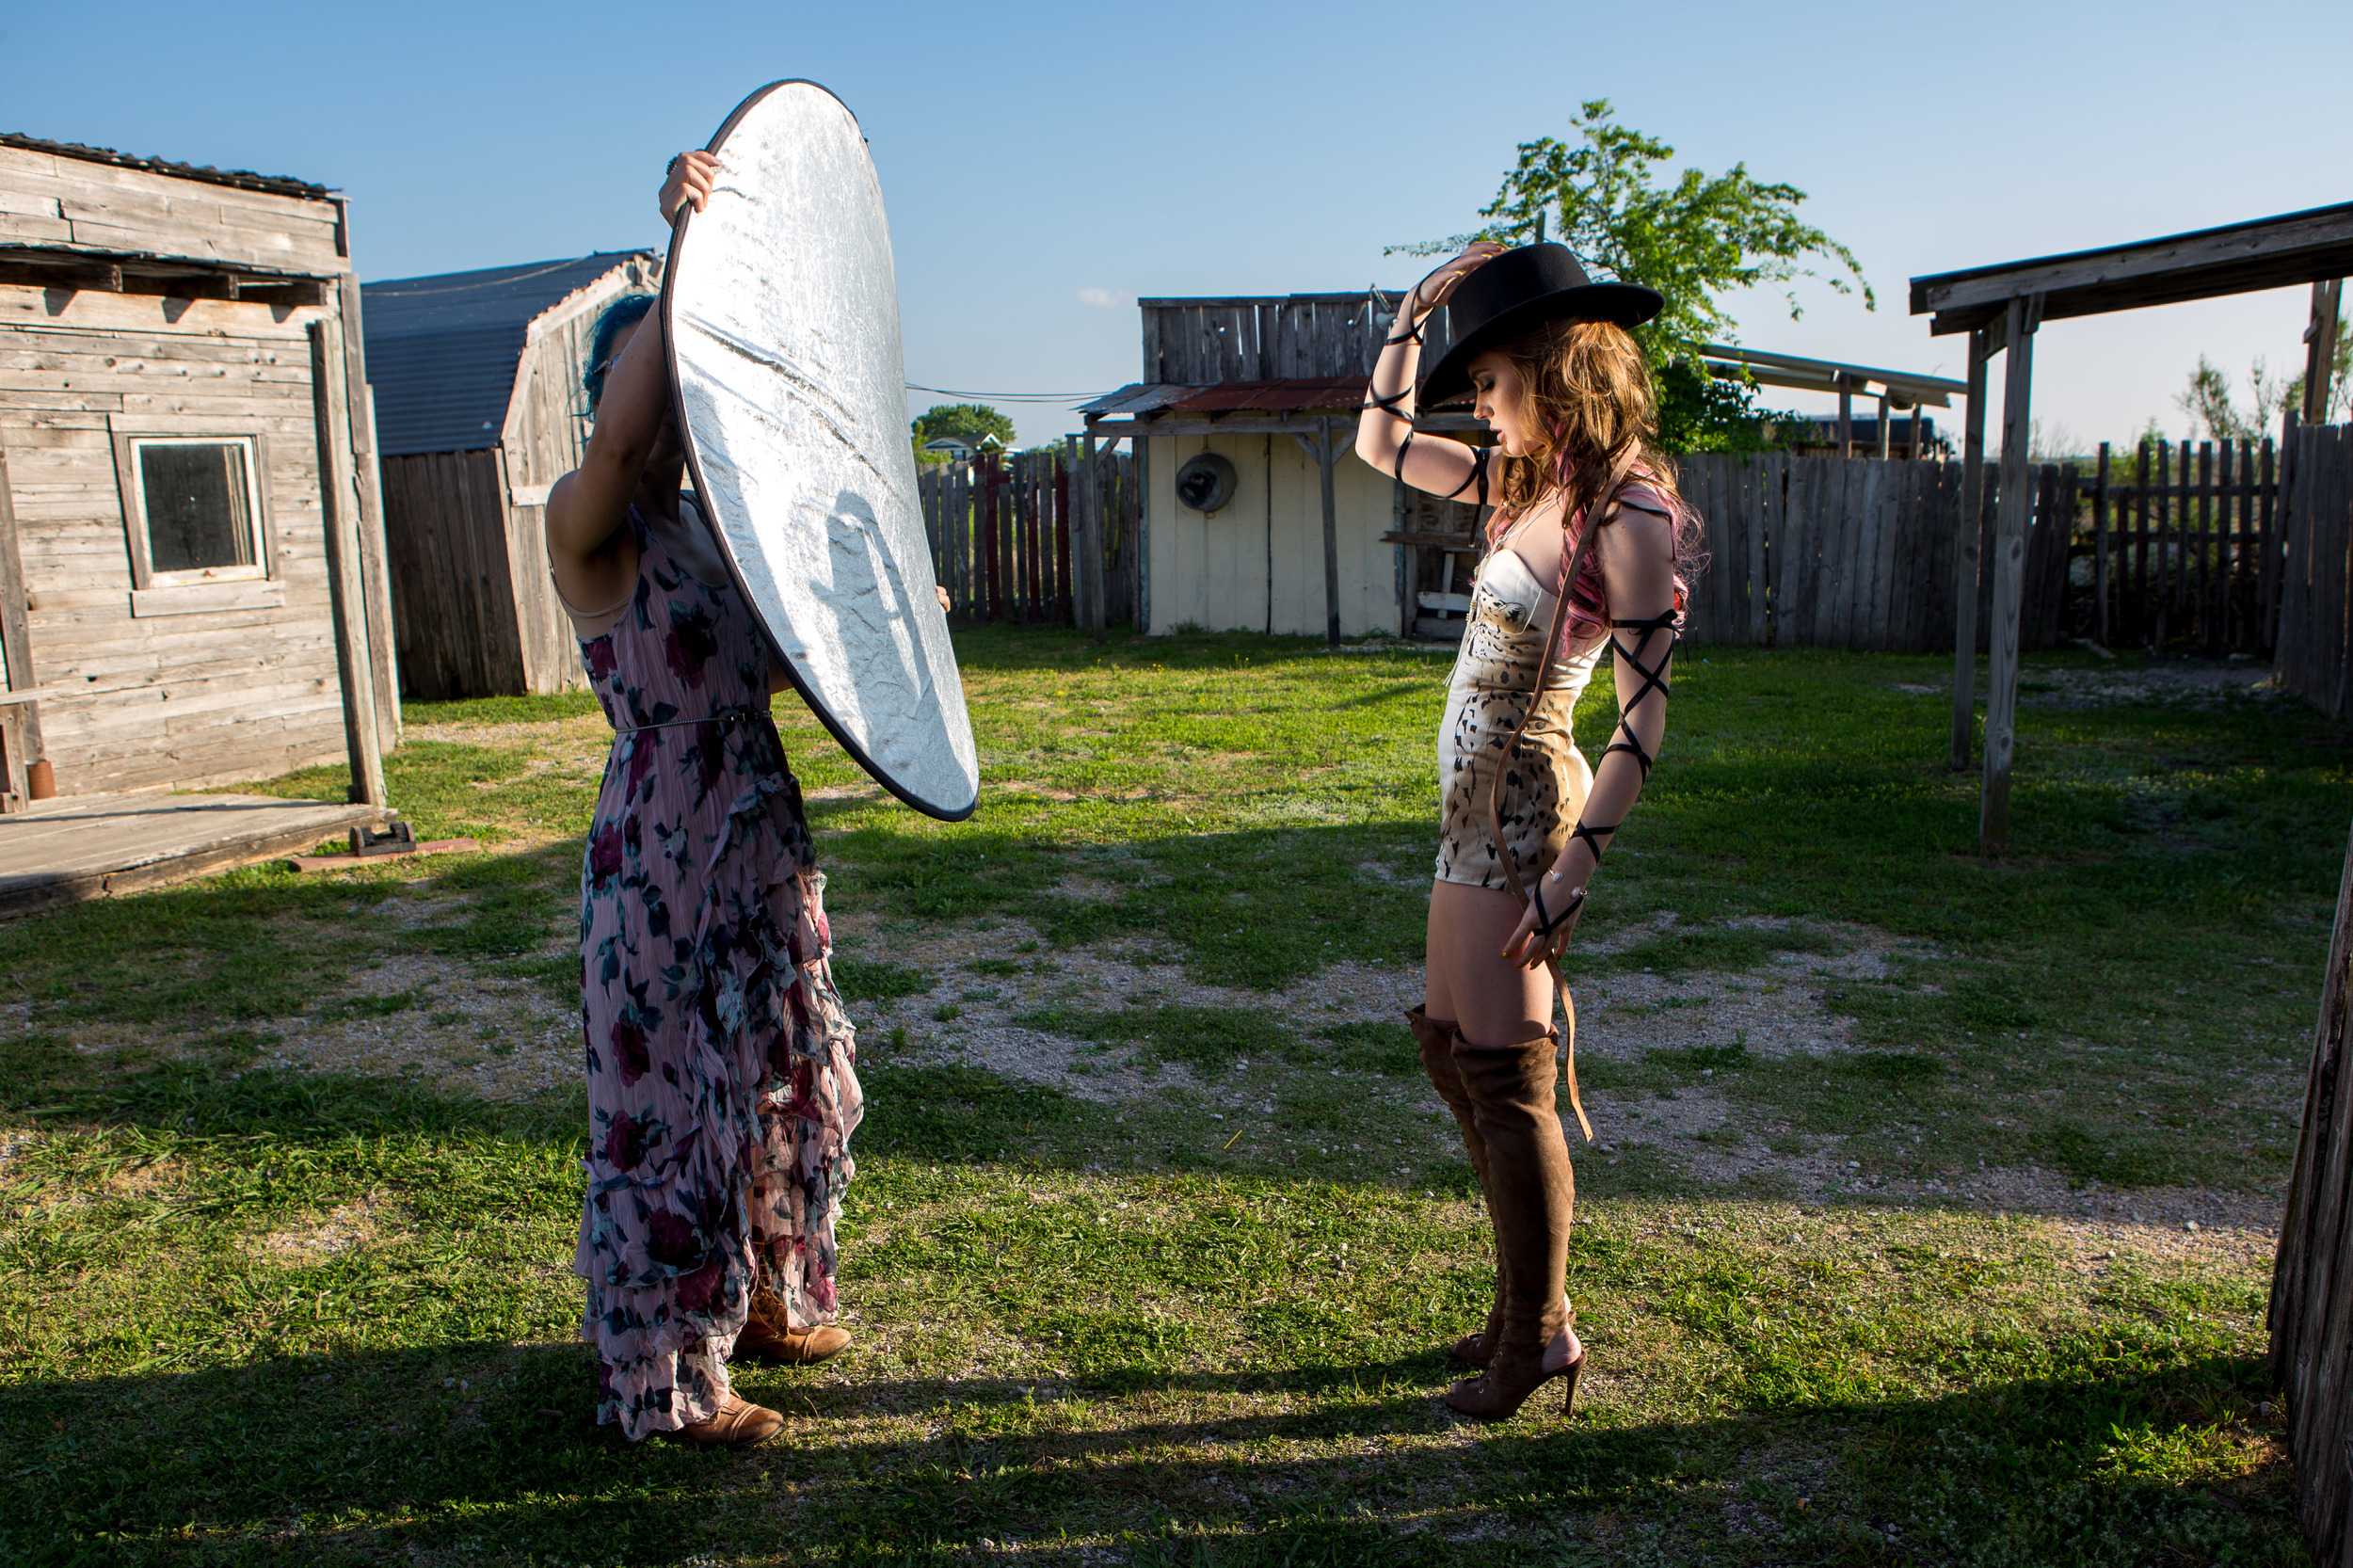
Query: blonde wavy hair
(1587, 402)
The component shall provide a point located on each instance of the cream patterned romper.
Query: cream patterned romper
(1494, 680)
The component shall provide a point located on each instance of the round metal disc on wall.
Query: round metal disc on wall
(781, 309)
(1206, 482)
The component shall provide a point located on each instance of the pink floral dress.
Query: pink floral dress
(722, 1088)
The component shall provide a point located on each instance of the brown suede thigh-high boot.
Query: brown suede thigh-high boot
(1437, 1039)
(1531, 1193)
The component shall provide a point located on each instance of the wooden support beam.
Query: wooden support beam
(346, 584)
(2311, 1315)
(2009, 572)
(2320, 349)
(1325, 458)
(1886, 435)
(16, 642)
(2265, 253)
(2100, 548)
(1970, 531)
(375, 570)
(1845, 417)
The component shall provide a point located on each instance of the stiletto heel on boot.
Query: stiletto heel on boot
(1531, 1194)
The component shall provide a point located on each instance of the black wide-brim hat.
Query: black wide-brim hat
(1511, 297)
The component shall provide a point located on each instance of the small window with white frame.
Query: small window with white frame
(196, 512)
(197, 521)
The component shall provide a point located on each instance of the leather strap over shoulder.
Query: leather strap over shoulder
(1620, 471)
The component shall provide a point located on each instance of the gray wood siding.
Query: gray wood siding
(71, 205)
(455, 616)
(1302, 336)
(242, 687)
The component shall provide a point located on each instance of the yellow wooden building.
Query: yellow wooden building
(1257, 515)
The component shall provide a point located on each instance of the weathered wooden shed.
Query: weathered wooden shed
(191, 560)
(479, 409)
(1295, 536)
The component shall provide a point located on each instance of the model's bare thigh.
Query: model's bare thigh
(1493, 1001)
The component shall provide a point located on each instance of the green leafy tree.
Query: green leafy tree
(966, 422)
(2213, 410)
(1692, 238)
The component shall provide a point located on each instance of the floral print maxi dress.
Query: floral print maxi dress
(722, 1089)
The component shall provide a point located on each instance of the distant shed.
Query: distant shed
(479, 409)
(1257, 514)
(191, 567)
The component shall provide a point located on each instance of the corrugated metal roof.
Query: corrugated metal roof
(1137, 397)
(241, 178)
(442, 351)
(1295, 395)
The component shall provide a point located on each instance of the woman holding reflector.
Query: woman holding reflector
(1586, 548)
(722, 1087)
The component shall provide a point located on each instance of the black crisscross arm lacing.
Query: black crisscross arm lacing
(1548, 921)
(1387, 425)
(1643, 679)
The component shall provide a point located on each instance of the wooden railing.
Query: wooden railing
(2183, 547)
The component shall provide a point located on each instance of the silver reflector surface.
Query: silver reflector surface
(782, 311)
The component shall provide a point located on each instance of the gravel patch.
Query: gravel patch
(501, 1038)
(2202, 683)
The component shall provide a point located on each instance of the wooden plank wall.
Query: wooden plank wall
(1020, 513)
(1300, 336)
(469, 526)
(67, 203)
(546, 432)
(1257, 564)
(2185, 547)
(1856, 552)
(241, 685)
(454, 606)
(2314, 657)
(2312, 1284)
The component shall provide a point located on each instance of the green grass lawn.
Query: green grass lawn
(1885, 1250)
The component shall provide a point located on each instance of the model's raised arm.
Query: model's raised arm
(1385, 431)
(586, 506)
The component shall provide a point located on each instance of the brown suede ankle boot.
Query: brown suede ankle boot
(1531, 1193)
(769, 1334)
(1437, 1038)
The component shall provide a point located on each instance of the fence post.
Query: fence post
(1965, 561)
(1064, 608)
(1033, 569)
(2311, 1276)
(991, 553)
(2100, 548)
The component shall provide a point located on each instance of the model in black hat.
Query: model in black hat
(1545, 357)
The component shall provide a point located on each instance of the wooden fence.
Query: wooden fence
(1860, 553)
(2312, 1284)
(2183, 547)
(1007, 535)
(2315, 569)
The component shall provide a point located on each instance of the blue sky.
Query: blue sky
(1039, 156)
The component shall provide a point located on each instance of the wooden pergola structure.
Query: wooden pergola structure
(2001, 307)
(1893, 388)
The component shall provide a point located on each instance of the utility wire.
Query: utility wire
(1067, 399)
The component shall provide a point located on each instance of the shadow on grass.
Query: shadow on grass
(484, 1451)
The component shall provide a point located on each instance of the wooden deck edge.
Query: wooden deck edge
(164, 869)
